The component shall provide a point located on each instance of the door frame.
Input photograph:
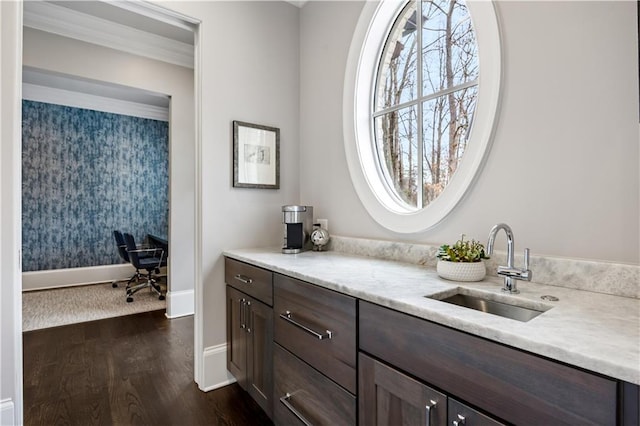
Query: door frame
(11, 194)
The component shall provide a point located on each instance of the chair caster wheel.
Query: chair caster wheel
(161, 297)
(129, 299)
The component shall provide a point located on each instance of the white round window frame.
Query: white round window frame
(369, 36)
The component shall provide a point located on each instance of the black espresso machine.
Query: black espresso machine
(298, 225)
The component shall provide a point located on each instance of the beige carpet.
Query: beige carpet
(70, 305)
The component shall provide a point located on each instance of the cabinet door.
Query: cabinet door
(388, 397)
(236, 335)
(259, 333)
(462, 415)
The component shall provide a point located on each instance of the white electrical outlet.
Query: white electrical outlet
(324, 223)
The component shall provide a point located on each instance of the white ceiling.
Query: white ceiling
(125, 26)
(123, 14)
(297, 3)
(137, 27)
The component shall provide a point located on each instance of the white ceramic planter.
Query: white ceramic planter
(461, 271)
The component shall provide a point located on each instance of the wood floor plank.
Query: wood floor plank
(134, 370)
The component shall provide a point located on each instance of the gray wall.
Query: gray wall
(249, 73)
(563, 169)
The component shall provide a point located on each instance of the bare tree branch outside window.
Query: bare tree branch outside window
(435, 102)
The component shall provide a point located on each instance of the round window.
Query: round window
(421, 95)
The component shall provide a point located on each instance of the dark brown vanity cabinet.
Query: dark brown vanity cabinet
(315, 354)
(512, 385)
(250, 331)
(310, 355)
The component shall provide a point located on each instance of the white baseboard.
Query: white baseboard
(7, 416)
(38, 280)
(216, 374)
(180, 303)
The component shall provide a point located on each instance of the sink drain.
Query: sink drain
(549, 298)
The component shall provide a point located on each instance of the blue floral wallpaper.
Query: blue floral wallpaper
(84, 174)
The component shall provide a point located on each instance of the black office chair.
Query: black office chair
(151, 263)
(124, 255)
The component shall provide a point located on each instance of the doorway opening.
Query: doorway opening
(132, 34)
(95, 165)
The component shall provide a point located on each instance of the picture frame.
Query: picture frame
(256, 156)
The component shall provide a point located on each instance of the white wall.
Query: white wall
(60, 54)
(249, 69)
(563, 169)
(10, 244)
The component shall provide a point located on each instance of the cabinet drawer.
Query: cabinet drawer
(318, 326)
(254, 281)
(516, 386)
(302, 394)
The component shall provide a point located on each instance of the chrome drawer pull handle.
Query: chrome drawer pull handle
(428, 409)
(250, 317)
(243, 278)
(242, 313)
(285, 400)
(461, 421)
(287, 317)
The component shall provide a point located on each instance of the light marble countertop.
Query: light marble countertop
(595, 331)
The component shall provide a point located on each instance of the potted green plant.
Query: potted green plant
(462, 261)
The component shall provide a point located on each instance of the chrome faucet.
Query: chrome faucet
(509, 272)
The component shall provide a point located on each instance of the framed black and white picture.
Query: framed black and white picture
(256, 156)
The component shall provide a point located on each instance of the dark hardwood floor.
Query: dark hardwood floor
(133, 370)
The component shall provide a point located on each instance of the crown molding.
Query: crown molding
(159, 13)
(32, 92)
(45, 16)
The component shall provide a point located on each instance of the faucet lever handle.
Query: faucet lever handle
(526, 258)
